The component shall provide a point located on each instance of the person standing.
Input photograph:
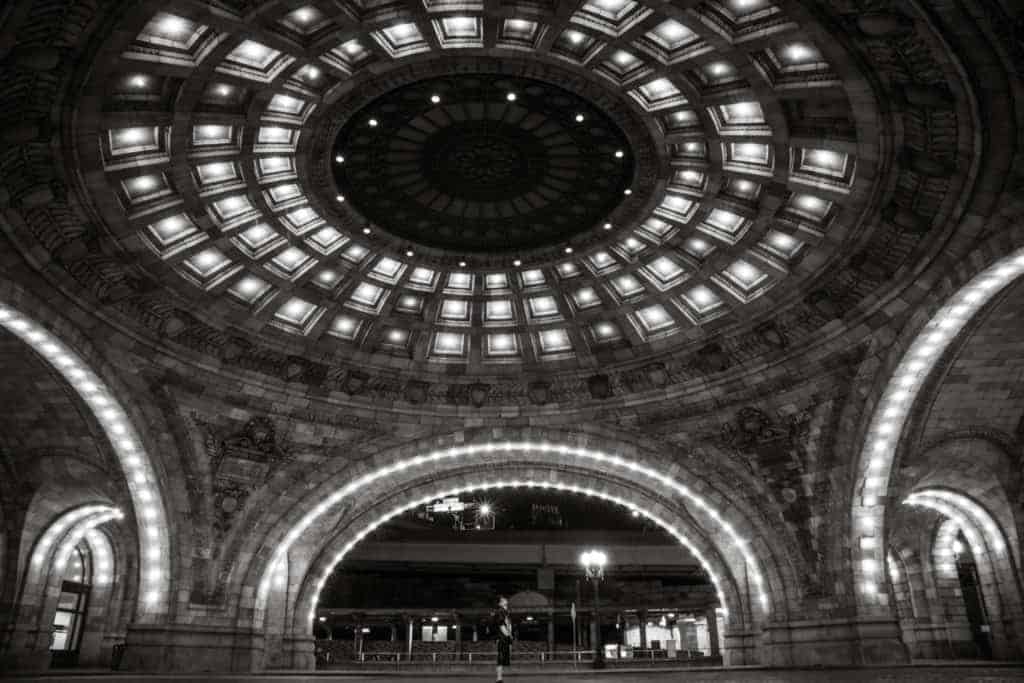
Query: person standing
(503, 627)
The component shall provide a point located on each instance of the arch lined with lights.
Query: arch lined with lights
(986, 540)
(877, 457)
(596, 463)
(310, 593)
(126, 444)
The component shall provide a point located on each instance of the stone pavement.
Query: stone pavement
(930, 674)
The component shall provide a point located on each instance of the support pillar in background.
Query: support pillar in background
(551, 632)
(409, 644)
(712, 618)
(458, 637)
(642, 615)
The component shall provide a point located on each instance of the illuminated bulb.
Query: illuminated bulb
(173, 25)
(340, 198)
(511, 97)
(366, 231)
(580, 118)
(312, 72)
(339, 159)
(575, 37)
(517, 263)
(436, 99)
(619, 154)
(409, 253)
(607, 226)
(462, 264)
(568, 250)
(373, 123)
(627, 191)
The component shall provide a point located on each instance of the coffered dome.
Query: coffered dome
(414, 186)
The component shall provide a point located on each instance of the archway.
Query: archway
(61, 349)
(889, 418)
(740, 550)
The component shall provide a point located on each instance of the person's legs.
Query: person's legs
(499, 672)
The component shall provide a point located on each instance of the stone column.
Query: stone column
(394, 632)
(642, 616)
(409, 621)
(458, 637)
(551, 632)
(712, 618)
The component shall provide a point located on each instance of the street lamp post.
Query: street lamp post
(594, 562)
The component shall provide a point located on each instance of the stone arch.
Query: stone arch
(84, 369)
(277, 559)
(713, 504)
(917, 360)
(44, 569)
(318, 558)
(989, 545)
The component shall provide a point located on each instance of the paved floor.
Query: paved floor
(936, 674)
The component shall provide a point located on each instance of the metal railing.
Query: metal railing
(391, 659)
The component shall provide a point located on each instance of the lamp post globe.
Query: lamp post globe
(594, 562)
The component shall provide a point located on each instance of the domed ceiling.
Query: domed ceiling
(476, 188)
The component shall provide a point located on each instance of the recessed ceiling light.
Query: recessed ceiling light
(340, 198)
(224, 90)
(462, 264)
(340, 159)
(312, 72)
(511, 97)
(373, 123)
(607, 226)
(409, 253)
(579, 118)
(436, 99)
(568, 250)
(619, 154)
(138, 81)
(627, 191)
(366, 231)
(517, 263)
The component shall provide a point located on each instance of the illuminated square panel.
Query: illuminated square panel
(387, 269)
(586, 297)
(702, 299)
(257, 240)
(655, 319)
(605, 331)
(212, 135)
(532, 278)
(368, 296)
(296, 315)
(355, 253)
(496, 281)
(449, 344)
(455, 311)
(657, 229)
(781, 244)
(501, 345)
(568, 269)
(409, 303)
(554, 341)
(460, 282)
(326, 239)
(249, 289)
(498, 310)
(627, 286)
(172, 233)
(423, 278)
(400, 40)
(345, 327)
(698, 247)
(255, 61)
(542, 307)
